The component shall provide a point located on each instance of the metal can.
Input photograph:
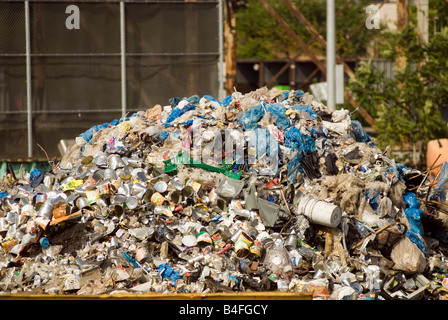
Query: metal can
(242, 245)
(157, 198)
(204, 237)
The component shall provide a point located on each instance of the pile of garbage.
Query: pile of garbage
(264, 191)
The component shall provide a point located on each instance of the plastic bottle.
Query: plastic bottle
(277, 258)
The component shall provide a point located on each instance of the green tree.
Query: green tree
(407, 108)
(260, 37)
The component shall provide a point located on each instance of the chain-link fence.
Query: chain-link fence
(89, 62)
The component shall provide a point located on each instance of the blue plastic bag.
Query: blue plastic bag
(410, 198)
(296, 140)
(415, 233)
(250, 117)
(177, 112)
(299, 94)
(36, 177)
(167, 272)
(358, 131)
(226, 101)
(88, 134)
(414, 216)
(194, 99)
(308, 109)
(284, 96)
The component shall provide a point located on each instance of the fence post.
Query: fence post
(221, 72)
(331, 52)
(28, 80)
(123, 59)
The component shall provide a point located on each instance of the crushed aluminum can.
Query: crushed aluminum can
(60, 210)
(242, 245)
(195, 185)
(138, 190)
(197, 258)
(45, 210)
(91, 196)
(135, 162)
(188, 192)
(131, 202)
(8, 244)
(109, 174)
(204, 237)
(218, 240)
(115, 162)
(101, 160)
(48, 181)
(141, 176)
(4, 224)
(255, 248)
(11, 217)
(175, 197)
(174, 185)
(236, 235)
(21, 220)
(82, 203)
(221, 204)
(124, 189)
(89, 183)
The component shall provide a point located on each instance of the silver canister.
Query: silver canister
(114, 242)
(175, 185)
(291, 242)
